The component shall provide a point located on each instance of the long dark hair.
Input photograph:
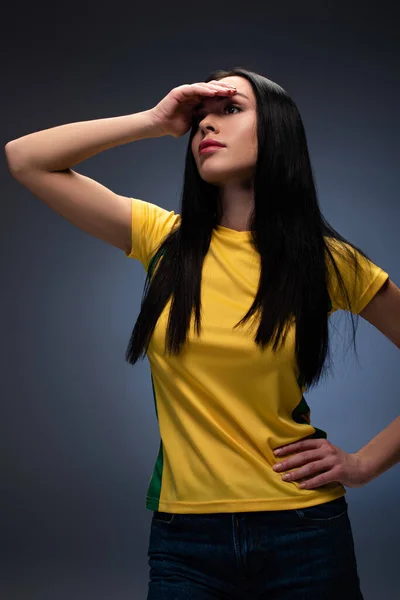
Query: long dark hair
(287, 230)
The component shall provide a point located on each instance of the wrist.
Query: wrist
(154, 123)
(366, 467)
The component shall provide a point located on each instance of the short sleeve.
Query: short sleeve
(361, 284)
(150, 225)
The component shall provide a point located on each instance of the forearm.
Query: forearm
(383, 451)
(64, 146)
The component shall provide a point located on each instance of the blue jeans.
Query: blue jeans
(297, 554)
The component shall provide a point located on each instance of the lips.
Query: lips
(210, 143)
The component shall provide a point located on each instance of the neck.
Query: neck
(237, 203)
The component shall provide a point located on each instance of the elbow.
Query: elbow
(15, 160)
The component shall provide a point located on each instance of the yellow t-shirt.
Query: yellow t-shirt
(223, 405)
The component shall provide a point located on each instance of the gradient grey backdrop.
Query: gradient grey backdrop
(79, 434)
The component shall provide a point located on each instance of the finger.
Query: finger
(284, 450)
(316, 482)
(298, 460)
(217, 89)
(196, 91)
(215, 81)
(296, 447)
(307, 470)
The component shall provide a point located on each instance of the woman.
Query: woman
(250, 243)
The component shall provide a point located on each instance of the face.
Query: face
(231, 121)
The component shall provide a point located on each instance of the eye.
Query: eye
(199, 117)
(233, 106)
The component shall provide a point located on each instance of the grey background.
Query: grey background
(79, 435)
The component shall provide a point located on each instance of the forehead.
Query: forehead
(242, 85)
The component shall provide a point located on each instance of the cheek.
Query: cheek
(246, 147)
(245, 139)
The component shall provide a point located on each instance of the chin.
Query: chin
(212, 180)
(217, 176)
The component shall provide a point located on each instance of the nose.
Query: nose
(206, 124)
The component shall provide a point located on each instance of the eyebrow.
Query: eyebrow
(220, 98)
